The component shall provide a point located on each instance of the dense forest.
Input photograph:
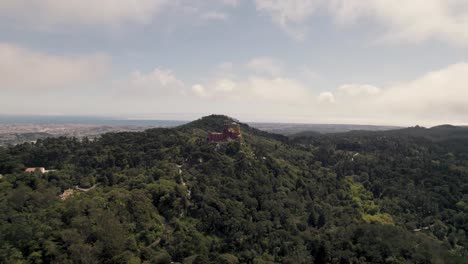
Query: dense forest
(167, 196)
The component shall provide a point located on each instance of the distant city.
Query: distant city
(20, 129)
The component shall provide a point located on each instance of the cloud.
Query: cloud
(278, 90)
(232, 3)
(224, 85)
(265, 65)
(86, 12)
(326, 97)
(415, 21)
(199, 90)
(256, 89)
(157, 83)
(436, 97)
(214, 15)
(438, 94)
(290, 15)
(161, 77)
(358, 89)
(53, 14)
(284, 12)
(225, 69)
(259, 86)
(24, 69)
(260, 80)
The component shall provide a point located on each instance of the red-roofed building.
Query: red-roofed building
(231, 132)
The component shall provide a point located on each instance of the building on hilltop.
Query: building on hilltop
(231, 132)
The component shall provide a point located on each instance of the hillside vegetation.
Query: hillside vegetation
(165, 195)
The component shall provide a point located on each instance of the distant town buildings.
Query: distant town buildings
(231, 132)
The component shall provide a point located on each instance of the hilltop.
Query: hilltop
(216, 123)
(165, 195)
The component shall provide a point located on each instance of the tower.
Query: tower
(236, 128)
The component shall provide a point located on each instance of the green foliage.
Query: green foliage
(165, 195)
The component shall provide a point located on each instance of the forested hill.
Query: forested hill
(437, 133)
(166, 195)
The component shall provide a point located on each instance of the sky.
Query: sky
(381, 62)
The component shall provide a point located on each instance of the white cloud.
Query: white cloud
(413, 21)
(215, 15)
(221, 88)
(264, 82)
(410, 21)
(289, 14)
(277, 90)
(265, 65)
(199, 90)
(24, 69)
(87, 12)
(358, 89)
(225, 85)
(437, 97)
(53, 14)
(284, 12)
(162, 77)
(326, 97)
(441, 93)
(159, 82)
(256, 89)
(223, 70)
(230, 2)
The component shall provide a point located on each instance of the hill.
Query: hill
(291, 129)
(437, 133)
(165, 195)
(216, 123)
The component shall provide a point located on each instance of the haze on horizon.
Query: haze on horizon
(306, 61)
